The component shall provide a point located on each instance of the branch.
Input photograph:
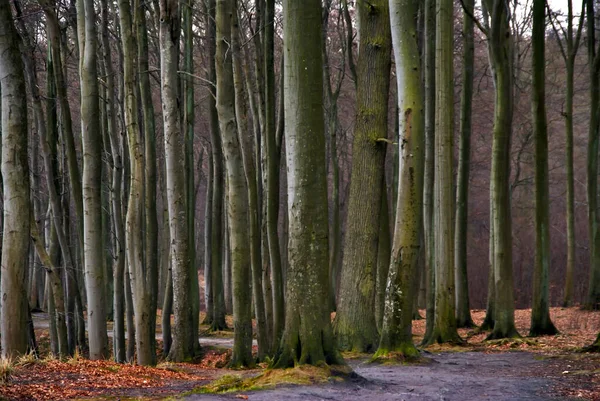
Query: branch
(560, 44)
(349, 40)
(475, 20)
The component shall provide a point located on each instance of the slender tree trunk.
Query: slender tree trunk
(272, 173)
(181, 349)
(188, 117)
(384, 249)
(396, 334)
(92, 178)
(15, 179)
(355, 323)
(541, 324)
(308, 337)
(247, 152)
(429, 171)
(500, 54)
(593, 296)
(444, 326)
(463, 309)
(167, 311)
(237, 190)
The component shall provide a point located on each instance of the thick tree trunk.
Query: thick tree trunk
(463, 310)
(182, 348)
(355, 323)
(384, 245)
(15, 180)
(396, 334)
(308, 337)
(541, 324)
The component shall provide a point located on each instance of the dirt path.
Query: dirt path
(450, 376)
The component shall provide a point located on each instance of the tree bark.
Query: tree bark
(308, 337)
(182, 349)
(355, 324)
(91, 182)
(396, 334)
(15, 179)
(541, 324)
(463, 309)
(237, 190)
(444, 326)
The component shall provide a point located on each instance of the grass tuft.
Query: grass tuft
(6, 369)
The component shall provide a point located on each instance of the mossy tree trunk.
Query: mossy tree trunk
(463, 310)
(308, 337)
(444, 325)
(396, 334)
(541, 324)
(15, 180)
(237, 187)
(355, 324)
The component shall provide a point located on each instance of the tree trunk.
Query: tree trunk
(396, 334)
(384, 245)
(272, 173)
(247, 152)
(541, 324)
(92, 178)
(182, 349)
(429, 172)
(15, 179)
(463, 309)
(444, 325)
(355, 324)
(593, 296)
(500, 55)
(308, 337)
(188, 121)
(237, 190)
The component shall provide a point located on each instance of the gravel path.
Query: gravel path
(450, 376)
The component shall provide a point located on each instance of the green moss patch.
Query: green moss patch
(303, 375)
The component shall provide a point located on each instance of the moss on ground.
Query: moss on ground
(301, 375)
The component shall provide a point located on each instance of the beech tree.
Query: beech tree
(396, 333)
(354, 325)
(15, 180)
(308, 336)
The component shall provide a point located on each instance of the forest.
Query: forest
(226, 195)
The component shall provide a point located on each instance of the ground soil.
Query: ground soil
(515, 375)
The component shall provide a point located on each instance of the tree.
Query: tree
(593, 297)
(444, 325)
(463, 310)
(91, 179)
(498, 32)
(429, 173)
(541, 324)
(307, 337)
(569, 50)
(15, 180)
(396, 333)
(237, 189)
(355, 326)
(182, 348)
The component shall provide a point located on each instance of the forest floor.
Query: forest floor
(527, 369)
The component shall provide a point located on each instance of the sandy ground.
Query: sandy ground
(449, 376)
